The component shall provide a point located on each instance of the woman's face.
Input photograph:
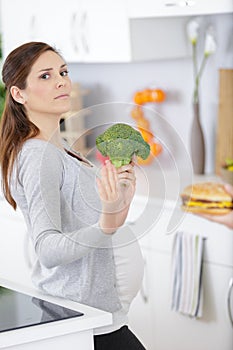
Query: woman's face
(48, 86)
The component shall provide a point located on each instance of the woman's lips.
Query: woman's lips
(63, 96)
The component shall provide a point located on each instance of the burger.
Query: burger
(206, 198)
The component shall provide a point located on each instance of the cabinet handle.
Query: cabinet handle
(143, 289)
(33, 27)
(73, 32)
(181, 3)
(84, 27)
(230, 288)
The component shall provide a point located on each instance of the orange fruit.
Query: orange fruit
(138, 98)
(155, 149)
(147, 161)
(157, 95)
(137, 113)
(146, 134)
(146, 95)
(143, 123)
(149, 95)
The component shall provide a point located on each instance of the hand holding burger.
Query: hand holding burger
(226, 219)
(213, 201)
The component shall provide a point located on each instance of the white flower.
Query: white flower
(210, 48)
(192, 31)
(210, 45)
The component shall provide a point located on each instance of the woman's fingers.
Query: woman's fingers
(128, 167)
(108, 184)
(112, 177)
(225, 219)
(116, 187)
(126, 173)
(229, 189)
(101, 189)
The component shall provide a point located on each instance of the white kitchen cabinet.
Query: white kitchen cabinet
(106, 37)
(70, 341)
(162, 8)
(64, 333)
(166, 329)
(16, 253)
(83, 30)
(142, 310)
(86, 31)
(18, 23)
(151, 317)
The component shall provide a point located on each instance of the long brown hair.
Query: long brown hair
(15, 127)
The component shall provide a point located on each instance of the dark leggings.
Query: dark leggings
(122, 339)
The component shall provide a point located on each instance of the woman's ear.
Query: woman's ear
(17, 94)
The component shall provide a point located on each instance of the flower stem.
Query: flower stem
(198, 77)
(194, 52)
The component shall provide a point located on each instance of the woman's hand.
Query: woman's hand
(116, 189)
(127, 180)
(226, 219)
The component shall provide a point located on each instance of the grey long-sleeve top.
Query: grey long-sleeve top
(58, 198)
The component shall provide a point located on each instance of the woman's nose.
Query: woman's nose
(60, 82)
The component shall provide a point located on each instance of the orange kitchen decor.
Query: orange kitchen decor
(143, 125)
(149, 95)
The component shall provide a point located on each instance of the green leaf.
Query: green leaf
(229, 162)
(2, 98)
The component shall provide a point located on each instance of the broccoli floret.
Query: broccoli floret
(120, 142)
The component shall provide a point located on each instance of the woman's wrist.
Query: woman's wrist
(107, 224)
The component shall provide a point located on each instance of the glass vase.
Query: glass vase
(197, 142)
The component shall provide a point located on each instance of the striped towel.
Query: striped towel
(187, 263)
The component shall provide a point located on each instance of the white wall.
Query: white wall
(0, 17)
(118, 82)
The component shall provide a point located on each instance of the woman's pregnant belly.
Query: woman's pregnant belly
(129, 266)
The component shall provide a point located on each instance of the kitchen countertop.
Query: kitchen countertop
(159, 183)
(92, 318)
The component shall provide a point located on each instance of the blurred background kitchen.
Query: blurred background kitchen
(131, 61)
(116, 48)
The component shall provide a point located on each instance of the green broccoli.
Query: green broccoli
(120, 142)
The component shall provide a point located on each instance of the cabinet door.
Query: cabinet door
(106, 37)
(141, 314)
(60, 26)
(15, 248)
(18, 23)
(50, 21)
(72, 35)
(157, 216)
(151, 8)
(87, 30)
(171, 330)
(83, 30)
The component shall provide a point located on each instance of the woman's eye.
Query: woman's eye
(64, 73)
(45, 76)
